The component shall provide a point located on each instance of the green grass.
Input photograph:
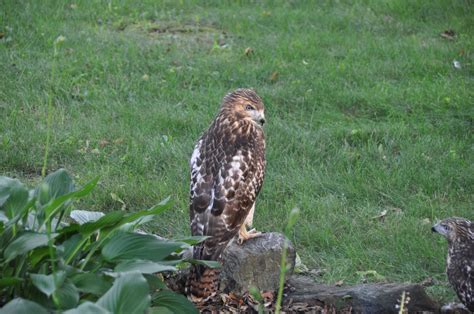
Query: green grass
(367, 113)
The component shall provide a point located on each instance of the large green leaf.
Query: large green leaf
(176, 303)
(155, 282)
(144, 267)
(69, 246)
(123, 246)
(58, 203)
(21, 306)
(210, 264)
(108, 220)
(88, 308)
(91, 283)
(129, 294)
(37, 255)
(67, 296)
(9, 281)
(193, 240)
(48, 283)
(131, 221)
(83, 216)
(54, 185)
(25, 243)
(13, 196)
(155, 210)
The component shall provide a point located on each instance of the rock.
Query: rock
(255, 263)
(365, 298)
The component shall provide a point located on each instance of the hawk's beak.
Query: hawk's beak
(261, 119)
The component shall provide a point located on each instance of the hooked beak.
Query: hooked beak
(261, 119)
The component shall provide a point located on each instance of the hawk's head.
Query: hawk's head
(245, 104)
(455, 229)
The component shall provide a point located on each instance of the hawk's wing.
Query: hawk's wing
(224, 185)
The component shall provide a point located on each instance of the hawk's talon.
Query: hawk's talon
(245, 235)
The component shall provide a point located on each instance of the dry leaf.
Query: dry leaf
(427, 282)
(274, 76)
(118, 199)
(397, 210)
(457, 64)
(448, 34)
(426, 221)
(381, 216)
(339, 283)
(118, 141)
(95, 151)
(145, 77)
(102, 143)
(248, 51)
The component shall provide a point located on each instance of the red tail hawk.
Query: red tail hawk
(227, 170)
(460, 261)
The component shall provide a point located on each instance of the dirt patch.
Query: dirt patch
(202, 34)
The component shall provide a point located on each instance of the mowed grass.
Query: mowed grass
(366, 114)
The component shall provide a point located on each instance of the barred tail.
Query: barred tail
(202, 283)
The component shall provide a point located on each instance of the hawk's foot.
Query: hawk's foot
(244, 235)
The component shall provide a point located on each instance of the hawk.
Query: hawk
(460, 262)
(227, 171)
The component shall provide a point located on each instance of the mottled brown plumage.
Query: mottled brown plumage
(460, 261)
(227, 171)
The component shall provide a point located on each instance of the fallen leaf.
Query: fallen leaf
(426, 221)
(397, 210)
(145, 77)
(339, 283)
(248, 51)
(305, 62)
(102, 143)
(370, 273)
(427, 282)
(381, 216)
(118, 199)
(457, 64)
(267, 296)
(118, 141)
(274, 76)
(95, 151)
(448, 34)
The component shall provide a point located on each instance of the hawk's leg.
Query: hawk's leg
(244, 235)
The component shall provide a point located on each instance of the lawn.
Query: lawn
(369, 125)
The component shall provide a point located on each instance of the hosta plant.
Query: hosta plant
(55, 258)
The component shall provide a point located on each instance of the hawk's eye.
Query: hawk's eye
(249, 107)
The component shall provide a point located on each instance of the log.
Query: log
(363, 298)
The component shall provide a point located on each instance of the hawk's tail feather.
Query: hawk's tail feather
(202, 284)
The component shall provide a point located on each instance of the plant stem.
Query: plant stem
(282, 277)
(50, 115)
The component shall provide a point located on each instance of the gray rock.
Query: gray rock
(365, 298)
(255, 263)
